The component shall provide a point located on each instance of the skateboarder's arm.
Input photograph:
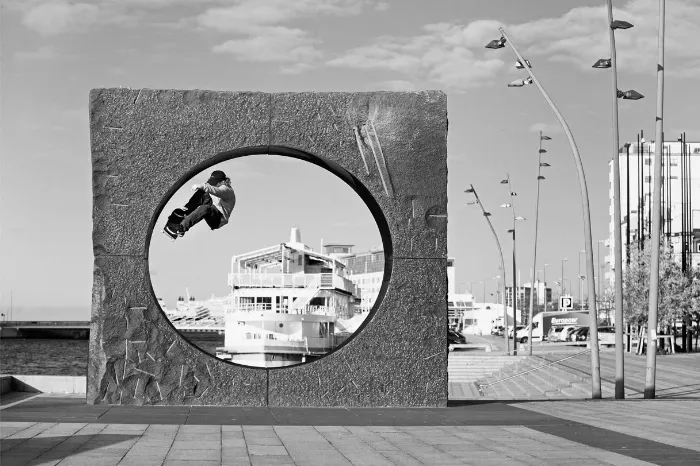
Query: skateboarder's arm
(222, 192)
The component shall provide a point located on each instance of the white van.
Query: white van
(553, 319)
(522, 334)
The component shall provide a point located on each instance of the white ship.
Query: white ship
(288, 304)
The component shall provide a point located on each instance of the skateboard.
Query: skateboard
(200, 197)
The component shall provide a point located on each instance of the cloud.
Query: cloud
(443, 54)
(277, 44)
(581, 37)
(397, 85)
(50, 19)
(263, 33)
(45, 52)
(453, 55)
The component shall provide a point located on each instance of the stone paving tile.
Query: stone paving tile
(267, 450)
(191, 463)
(258, 460)
(401, 458)
(194, 455)
(40, 462)
(316, 461)
(195, 445)
(368, 459)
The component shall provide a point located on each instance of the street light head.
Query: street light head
(546, 138)
(629, 95)
(470, 190)
(519, 65)
(511, 231)
(621, 25)
(542, 151)
(497, 43)
(603, 63)
(544, 164)
(520, 218)
(505, 205)
(504, 181)
(520, 82)
(487, 214)
(540, 177)
(472, 203)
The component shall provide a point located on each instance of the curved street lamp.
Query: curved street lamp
(534, 248)
(515, 291)
(588, 237)
(500, 254)
(617, 215)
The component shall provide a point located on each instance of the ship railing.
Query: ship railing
(272, 280)
(292, 280)
(338, 311)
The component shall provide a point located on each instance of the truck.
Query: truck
(544, 321)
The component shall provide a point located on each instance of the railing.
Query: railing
(292, 280)
(548, 377)
(314, 310)
(270, 280)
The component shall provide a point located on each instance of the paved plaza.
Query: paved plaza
(50, 430)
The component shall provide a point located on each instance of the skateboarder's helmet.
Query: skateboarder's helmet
(216, 177)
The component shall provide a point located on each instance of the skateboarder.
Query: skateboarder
(215, 201)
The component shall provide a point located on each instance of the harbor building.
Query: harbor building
(364, 269)
(680, 199)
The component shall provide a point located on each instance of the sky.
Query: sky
(53, 52)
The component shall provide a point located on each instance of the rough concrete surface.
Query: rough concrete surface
(147, 143)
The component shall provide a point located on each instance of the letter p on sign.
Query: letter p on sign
(566, 302)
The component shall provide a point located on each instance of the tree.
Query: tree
(679, 293)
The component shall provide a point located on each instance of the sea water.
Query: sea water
(40, 356)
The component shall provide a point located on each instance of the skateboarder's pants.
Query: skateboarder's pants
(209, 213)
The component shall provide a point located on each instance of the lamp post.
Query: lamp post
(617, 221)
(483, 290)
(590, 272)
(561, 288)
(500, 254)
(650, 380)
(544, 276)
(580, 278)
(514, 290)
(540, 164)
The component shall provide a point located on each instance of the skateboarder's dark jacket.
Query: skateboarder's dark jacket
(223, 198)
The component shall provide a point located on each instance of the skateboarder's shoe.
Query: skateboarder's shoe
(180, 230)
(170, 232)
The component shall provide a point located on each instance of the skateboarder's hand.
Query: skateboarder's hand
(195, 187)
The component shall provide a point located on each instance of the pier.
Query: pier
(80, 329)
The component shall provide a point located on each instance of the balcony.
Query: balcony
(289, 280)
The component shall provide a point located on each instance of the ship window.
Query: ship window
(270, 336)
(241, 323)
(299, 260)
(248, 336)
(256, 336)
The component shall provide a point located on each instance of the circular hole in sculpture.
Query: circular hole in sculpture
(280, 276)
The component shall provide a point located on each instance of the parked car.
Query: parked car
(455, 338)
(606, 334)
(517, 329)
(497, 330)
(565, 332)
(580, 334)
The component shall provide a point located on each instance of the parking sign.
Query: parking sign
(566, 302)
